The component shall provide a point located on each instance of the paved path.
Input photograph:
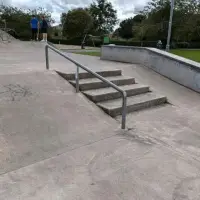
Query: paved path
(57, 145)
(73, 47)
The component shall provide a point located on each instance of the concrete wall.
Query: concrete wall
(176, 68)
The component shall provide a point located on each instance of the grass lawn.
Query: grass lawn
(89, 53)
(190, 54)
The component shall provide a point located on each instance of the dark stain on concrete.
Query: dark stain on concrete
(15, 92)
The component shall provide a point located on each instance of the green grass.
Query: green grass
(89, 53)
(190, 54)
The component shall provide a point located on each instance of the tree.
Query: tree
(62, 18)
(104, 16)
(186, 19)
(137, 27)
(138, 19)
(19, 19)
(116, 33)
(125, 28)
(76, 23)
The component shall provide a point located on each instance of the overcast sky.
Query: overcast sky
(125, 8)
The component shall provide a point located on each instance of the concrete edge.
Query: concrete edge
(189, 63)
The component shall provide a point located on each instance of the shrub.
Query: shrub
(99, 42)
(182, 45)
(76, 41)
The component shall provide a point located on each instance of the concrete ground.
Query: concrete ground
(57, 145)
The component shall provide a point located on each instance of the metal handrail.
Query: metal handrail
(123, 93)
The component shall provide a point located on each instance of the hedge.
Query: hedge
(98, 42)
(75, 41)
(188, 45)
(134, 43)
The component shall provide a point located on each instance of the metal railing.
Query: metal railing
(123, 93)
(3, 30)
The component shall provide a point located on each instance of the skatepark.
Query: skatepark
(59, 144)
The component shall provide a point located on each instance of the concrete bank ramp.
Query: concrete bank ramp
(57, 145)
(41, 116)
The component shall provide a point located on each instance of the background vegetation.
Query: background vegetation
(100, 18)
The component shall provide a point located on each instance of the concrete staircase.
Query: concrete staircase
(107, 98)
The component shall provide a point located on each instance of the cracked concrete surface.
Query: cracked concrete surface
(57, 145)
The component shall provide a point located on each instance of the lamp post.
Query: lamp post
(170, 25)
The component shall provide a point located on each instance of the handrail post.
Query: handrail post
(124, 94)
(77, 78)
(47, 57)
(124, 101)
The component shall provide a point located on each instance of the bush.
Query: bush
(76, 41)
(56, 34)
(194, 45)
(182, 45)
(99, 42)
(23, 35)
(186, 45)
(134, 43)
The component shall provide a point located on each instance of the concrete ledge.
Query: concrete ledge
(183, 71)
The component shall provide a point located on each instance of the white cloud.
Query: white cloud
(125, 8)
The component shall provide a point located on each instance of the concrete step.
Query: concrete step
(85, 75)
(95, 83)
(105, 94)
(134, 103)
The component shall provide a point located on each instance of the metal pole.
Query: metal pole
(124, 94)
(47, 57)
(6, 31)
(77, 79)
(83, 42)
(124, 110)
(170, 25)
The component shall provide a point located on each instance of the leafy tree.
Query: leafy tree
(116, 33)
(104, 16)
(138, 19)
(186, 20)
(62, 18)
(126, 26)
(19, 19)
(76, 23)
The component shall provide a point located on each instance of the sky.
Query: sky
(125, 8)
